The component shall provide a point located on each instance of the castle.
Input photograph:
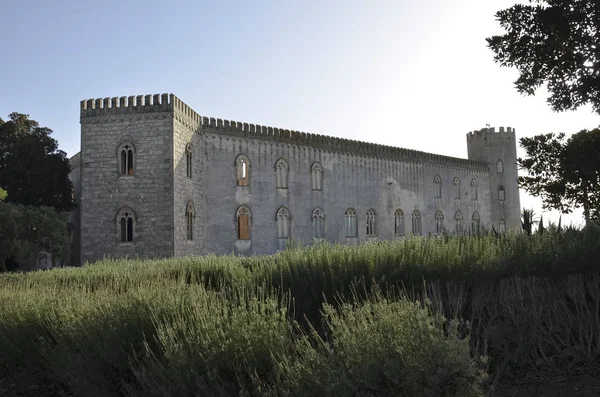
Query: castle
(155, 179)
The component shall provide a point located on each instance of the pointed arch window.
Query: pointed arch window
(437, 187)
(371, 223)
(501, 194)
(500, 167)
(126, 158)
(416, 223)
(350, 223)
(474, 190)
(399, 222)
(242, 170)
(189, 159)
(283, 223)
(502, 226)
(456, 184)
(318, 223)
(126, 223)
(316, 174)
(243, 217)
(458, 218)
(281, 174)
(439, 222)
(476, 223)
(189, 218)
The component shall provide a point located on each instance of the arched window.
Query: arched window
(350, 223)
(242, 170)
(500, 167)
(371, 223)
(501, 193)
(416, 223)
(126, 158)
(439, 222)
(189, 217)
(243, 217)
(318, 223)
(189, 156)
(456, 184)
(399, 222)
(475, 222)
(473, 190)
(126, 223)
(502, 226)
(283, 223)
(281, 172)
(316, 175)
(437, 187)
(458, 218)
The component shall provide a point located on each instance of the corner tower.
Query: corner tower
(499, 151)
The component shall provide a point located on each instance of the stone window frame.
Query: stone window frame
(399, 226)
(499, 166)
(189, 157)
(439, 222)
(502, 226)
(350, 223)
(318, 223)
(501, 193)
(243, 173)
(458, 218)
(283, 220)
(125, 223)
(243, 220)
(437, 187)
(190, 214)
(371, 219)
(281, 173)
(316, 176)
(474, 189)
(456, 184)
(126, 159)
(417, 226)
(475, 222)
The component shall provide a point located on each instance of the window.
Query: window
(475, 222)
(399, 223)
(474, 190)
(316, 174)
(126, 158)
(439, 222)
(456, 184)
(416, 223)
(242, 170)
(371, 223)
(318, 223)
(283, 223)
(458, 218)
(189, 217)
(126, 222)
(350, 223)
(502, 226)
(189, 155)
(243, 216)
(501, 193)
(499, 167)
(281, 171)
(437, 186)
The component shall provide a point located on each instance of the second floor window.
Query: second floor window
(126, 159)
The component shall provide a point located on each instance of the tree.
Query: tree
(3, 194)
(32, 169)
(565, 174)
(556, 42)
(528, 220)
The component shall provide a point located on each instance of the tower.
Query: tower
(499, 151)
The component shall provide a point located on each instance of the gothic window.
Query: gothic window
(189, 156)
(318, 223)
(126, 223)
(456, 184)
(126, 158)
(350, 223)
(189, 218)
(371, 223)
(499, 167)
(283, 223)
(281, 170)
(458, 218)
(502, 226)
(475, 222)
(474, 190)
(439, 222)
(243, 216)
(416, 223)
(316, 175)
(437, 186)
(242, 170)
(399, 223)
(501, 193)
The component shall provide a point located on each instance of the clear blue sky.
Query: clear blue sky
(415, 74)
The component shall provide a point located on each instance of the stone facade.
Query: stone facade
(183, 187)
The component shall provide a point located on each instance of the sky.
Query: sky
(413, 74)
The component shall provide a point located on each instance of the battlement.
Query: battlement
(131, 104)
(490, 131)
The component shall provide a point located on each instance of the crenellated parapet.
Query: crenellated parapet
(490, 132)
(126, 105)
